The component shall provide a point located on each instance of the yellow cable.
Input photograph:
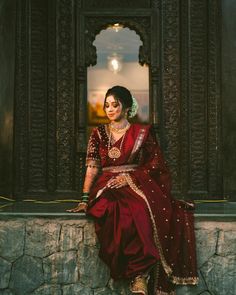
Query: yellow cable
(7, 199)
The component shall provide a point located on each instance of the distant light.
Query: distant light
(115, 63)
(117, 27)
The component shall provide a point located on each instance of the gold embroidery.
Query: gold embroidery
(139, 285)
(133, 186)
(99, 135)
(92, 157)
(137, 144)
(185, 281)
(106, 130)
(119, 169)
(157, 273)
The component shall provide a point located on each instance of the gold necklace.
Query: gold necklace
(115, 152)
(120, 130)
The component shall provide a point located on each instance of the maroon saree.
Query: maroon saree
(140, 227)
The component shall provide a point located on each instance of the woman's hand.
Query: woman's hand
(118, 181)
(81, 207)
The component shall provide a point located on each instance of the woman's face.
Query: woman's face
(113, 109)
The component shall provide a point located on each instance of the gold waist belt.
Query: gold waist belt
(122, 168)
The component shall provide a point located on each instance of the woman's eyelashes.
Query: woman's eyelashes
(113, 105)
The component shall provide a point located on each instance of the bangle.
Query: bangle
(85, 193)
(85, 198)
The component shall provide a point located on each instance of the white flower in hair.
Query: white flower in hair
(133, 110)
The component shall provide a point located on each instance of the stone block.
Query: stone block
(61, 268)
(70, 237)
(56, 273)
(226, 243)
(77, 289)
(220, 275)
(5, 272)
(90, 238)
(12, 236)
(27, 275)
(206, 241)
(48, 290)
(93, 272)
(121, 287)
(42, 238)
(6, 292)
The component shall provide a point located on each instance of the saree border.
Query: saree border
(138, 191)
(138, 143)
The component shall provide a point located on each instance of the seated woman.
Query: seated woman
(146, 236)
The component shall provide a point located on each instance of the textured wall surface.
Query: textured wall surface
(7, 66)
(228, 94)
(58, 256)
(44, 55)
(50, 45)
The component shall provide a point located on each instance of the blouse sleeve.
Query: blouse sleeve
(93, 158)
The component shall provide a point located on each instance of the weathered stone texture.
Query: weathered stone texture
(12, 235)
(6, 292)
(220, 275)
(27, 275)
(60, 257)
(206, 240)
(89, 234)
(93, 272)
(48, 290)
(77, 289)
(70, 238)
(104, 291)
(5, 272)
(226, 242)
(61, 268)
(120, 287)
(43, 234)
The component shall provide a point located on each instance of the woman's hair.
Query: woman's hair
(122, 94)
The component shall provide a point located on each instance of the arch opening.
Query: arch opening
(117, 64)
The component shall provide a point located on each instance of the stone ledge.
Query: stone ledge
(59, 256)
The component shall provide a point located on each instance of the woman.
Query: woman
(145, 235)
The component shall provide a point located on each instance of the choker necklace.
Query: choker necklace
(120, 130)
(115, 152)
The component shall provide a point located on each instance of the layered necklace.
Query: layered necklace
(115, 152)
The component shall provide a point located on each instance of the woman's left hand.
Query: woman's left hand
(117, 182)
(81, 207)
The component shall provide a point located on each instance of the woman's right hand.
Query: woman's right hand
(81, 207)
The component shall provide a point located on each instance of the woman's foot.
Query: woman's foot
(139, 285)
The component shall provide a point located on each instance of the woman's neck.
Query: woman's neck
(119, 124)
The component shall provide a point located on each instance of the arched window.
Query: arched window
(117, 64)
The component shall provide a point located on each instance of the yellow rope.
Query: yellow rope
(7, 199)
(210, 201)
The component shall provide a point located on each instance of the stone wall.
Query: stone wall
(57, 256)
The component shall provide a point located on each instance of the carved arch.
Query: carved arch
(94, 25)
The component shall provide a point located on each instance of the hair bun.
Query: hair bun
(134, 109)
